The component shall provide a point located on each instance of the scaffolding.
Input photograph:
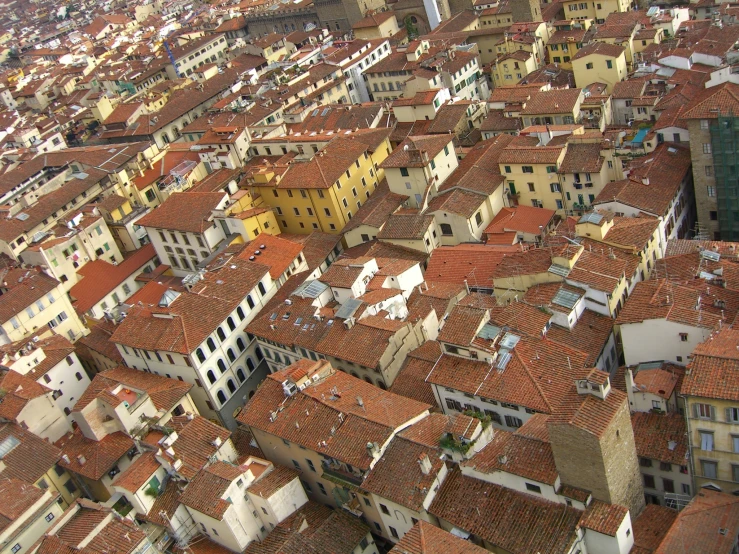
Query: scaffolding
(725, 150)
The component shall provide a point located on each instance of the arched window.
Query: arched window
(230, 323)
(221, 334)
(200, 354)
(240, 312)
(240, 375)
(260, 356)
(221, 396)
(251, 393)
(369, 380)
(250, 364)
(277, 358)
(78, 375)
(211, 344)
(249, 301)
(230, 354)
(240, 344)
(381, 385)
(261, 289)
(211, 376)
(67, 411)
(222, 366)
(231, 386)
(354, 374)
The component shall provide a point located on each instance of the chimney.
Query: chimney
(81, 459)
(424, 463)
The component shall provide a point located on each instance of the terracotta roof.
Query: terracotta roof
(184, 212)
(313, 529)
(196, 314)
(582, 158)
(712, 373)
(603, 518)
(601, 49)
(411, 380)
(710, 523)
(376, 210)
(164, 392)
(517, 454)
(661, 437)
(31, 459)
(316, 410)
(205, 491)
(275, 252)
(475, 263)
(138, 473)
(18, 499)
(520, 382)
(554, 101)
(269, 483)
(524, 219)
(194, 444)
(30, 286)
(425, 538)
(90, 458)
(431, 144)
(459, 202)
(99, 277)
(490, 512)
(406, 226)
(397, 475)
(723, 99)
(19, 390)
(651, 527)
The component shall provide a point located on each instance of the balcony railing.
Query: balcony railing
(341, 477)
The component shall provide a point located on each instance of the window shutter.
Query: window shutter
(695, 411)
(713, 413)
(728, 414)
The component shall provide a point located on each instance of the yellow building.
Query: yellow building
(567, 40)
(510, 69)
(323, 191)
(531, 175)
(272, 47)
(599, 11)
(378, 25)
(599, 62)
(710, 390)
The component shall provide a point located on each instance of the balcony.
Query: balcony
(341, 477)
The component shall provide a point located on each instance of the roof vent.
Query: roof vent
(257, 252)
(263, 246)
(252, 258)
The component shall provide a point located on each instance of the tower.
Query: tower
(593, 443)
(525, 10)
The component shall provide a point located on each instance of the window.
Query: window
(70, 486)
(709, 469)
(648, 481)
(710, 191)
(665, 466)
(532, 187)
(645, 462)
(49, 517)
(609, 64)
(589, 65)
(404, 171)
(533, 488)
(713, 215)
(527, 169)
(446, 229)
(706, 147)
(706, 440)
(393, 532)
(310, 465)
(512, 421)
(668, 485)
(16, 547)
(211, 376)
(704, 411)
(686, 489)
(384, 509)
(735, 443)
(732, 415)
(704, 124)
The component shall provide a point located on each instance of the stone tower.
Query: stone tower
(525, 10)
(593, 443)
